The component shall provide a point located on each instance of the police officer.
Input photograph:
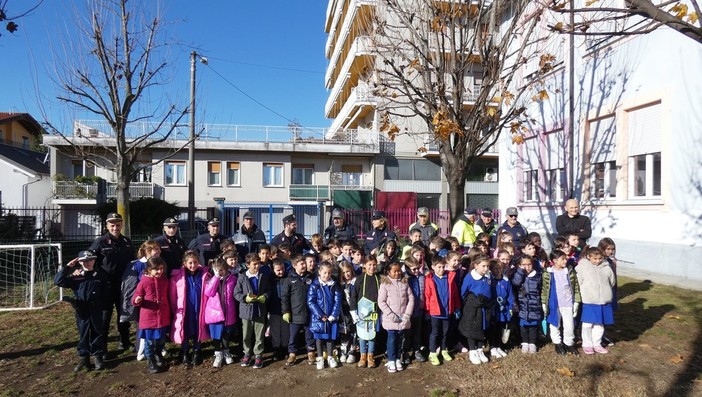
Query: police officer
(339, 230)
(377, 236)
(486, 224)
(207, 245)
(289, 235)
(428, 228)
(463, 229)
(172, 245)
(88, 284)
(114, 252)
(249, 237)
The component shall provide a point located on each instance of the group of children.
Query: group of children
(411, 301)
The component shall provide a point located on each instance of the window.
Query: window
(531, 185)
(77, 168)
(645, 151)
(143, 175)
(303, 174)
(556, 184)
(413, 170)
(272, 174)
(352, 175)
(604, 183)
(233, 174)
(175, 173)
(214, 173)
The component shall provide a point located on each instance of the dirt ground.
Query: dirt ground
(658, 353)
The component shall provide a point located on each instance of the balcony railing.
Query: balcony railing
(320, 192)
(88, 191)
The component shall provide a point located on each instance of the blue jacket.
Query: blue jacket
(518, 232)
(529, 295)
(502, 290)
(416, 284)
(324, 301)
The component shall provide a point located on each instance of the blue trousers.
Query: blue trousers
(309, 339)
(394, 344)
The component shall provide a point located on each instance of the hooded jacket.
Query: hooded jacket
(178, 299)
(294, 297)
(596, 282)
(396, 303)
(221, 306)
(155, 310)
(528, 288)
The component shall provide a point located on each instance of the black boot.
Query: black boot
(560, 349)
(184, 359)
(98, 362)
(151, 365)
(197, 360)
(83, 364)
(159, 360)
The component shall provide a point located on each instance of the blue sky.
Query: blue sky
(273, 51)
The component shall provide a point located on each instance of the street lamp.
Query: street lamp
(191, 150)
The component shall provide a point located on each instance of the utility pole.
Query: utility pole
(191, 148)
(571, 104)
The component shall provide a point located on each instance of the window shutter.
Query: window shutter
(603, 138)
(645, 130)
(556, 149)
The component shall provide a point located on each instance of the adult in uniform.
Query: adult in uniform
(114, 252)
(172, 245)
(207, 245)
(339, 229)
(379, 235)
(289, 235)
(248, 238)
(513, 226)
(464, 229)
(428, 228)
(486, 224)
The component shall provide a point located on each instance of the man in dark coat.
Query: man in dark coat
(172, 245)
(248, 238)
(289, 235)
(572, 222)
(208, 245)
(339, 230)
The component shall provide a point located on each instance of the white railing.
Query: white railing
(89, 190)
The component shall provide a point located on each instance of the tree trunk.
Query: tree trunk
(124, 179)
(456, 199)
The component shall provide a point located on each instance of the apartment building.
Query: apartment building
(405, 175)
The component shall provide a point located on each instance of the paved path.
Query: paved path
(680, 282)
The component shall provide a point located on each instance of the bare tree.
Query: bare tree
(598, 18)
(9, 19)
(114, 73)
(446, 71)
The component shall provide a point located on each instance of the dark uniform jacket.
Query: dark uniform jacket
(294, 297)
(248, 241)
(343, 234)
(88, 287)
(207, 246)
(113, 255)
(172, 250)
(375, 238)
(297, 241)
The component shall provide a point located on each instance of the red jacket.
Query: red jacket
(155, 310)
(431, 296)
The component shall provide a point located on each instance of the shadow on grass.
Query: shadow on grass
(37, 351)
(632, 319)
(631, 288)
(593, 372)
(683, 384)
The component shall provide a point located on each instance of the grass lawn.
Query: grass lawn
(658, 352)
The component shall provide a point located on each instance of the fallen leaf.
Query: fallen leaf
(677, 359)
(674, 317)
(622, 361)
(565, 371)
(644, 345)
(495, 366)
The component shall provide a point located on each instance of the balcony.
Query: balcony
(320, 192)
(72, 190)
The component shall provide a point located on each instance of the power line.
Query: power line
(268, 66)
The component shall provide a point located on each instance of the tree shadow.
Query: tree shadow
(632, 319)
(36, 351)
(593, 372)
(684, 382)
(624, 290)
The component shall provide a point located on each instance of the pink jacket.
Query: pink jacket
(396, 302)
(214, 312)
(178, 295)
(155, 311)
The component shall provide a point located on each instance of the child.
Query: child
(387, 256)
(89, 285)
(561, 298)
(527, 281)
(151, 296)
(477, 294)
(130, 278)
(502, 310)
(596, 281)
(220, 312)
(232, 260)
(609, 249)
(455, 245)
(358, 259)
(346, 252)
(415, 236)
(279, 329)
(311, 265)
(442, 300)
(505, 259)
(418, 253)
(528, 249)
(252, 291)
(265, 257)
(187, 298)
(347, 329)
(334, 247)
(324, 303)
(396, 303)
(504, 237)
(317, 245)
(413, 336)
(364, 310)
(539, 251)
(574, 243)
(293, 304)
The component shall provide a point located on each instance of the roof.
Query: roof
(27, 159)
(26, 119)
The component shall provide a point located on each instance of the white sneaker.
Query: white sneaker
(532, 348)
(494, 353)
(481, 356)
(391, 367)
(228, 357)
(332, 362)
(320, 362)
(473, 357)
(398, 365)
(219, 358)
(502, 352)
(342, 358)
(140, 353)
(351, 358)
(525, 348)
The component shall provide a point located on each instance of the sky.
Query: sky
(266, 60)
